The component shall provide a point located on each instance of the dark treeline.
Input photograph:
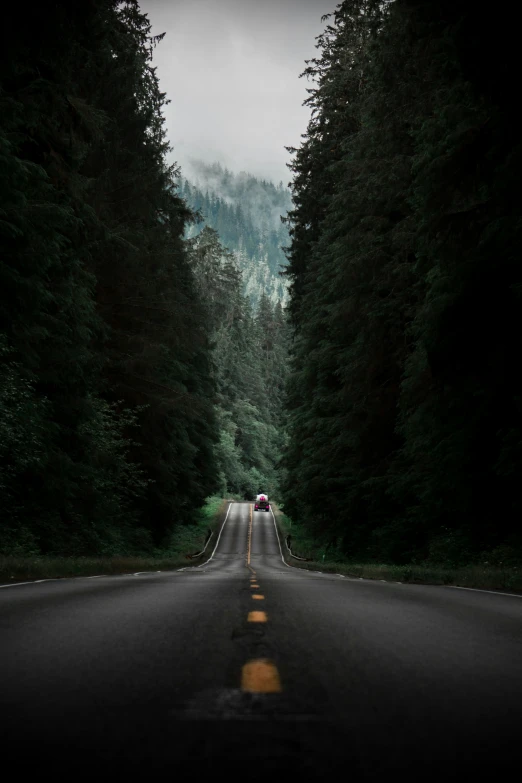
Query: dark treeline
(107, 424)
(406, 430)
(135, 379)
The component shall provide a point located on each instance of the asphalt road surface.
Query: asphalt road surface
(245, 667)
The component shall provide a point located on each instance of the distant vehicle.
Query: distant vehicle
(261, 503)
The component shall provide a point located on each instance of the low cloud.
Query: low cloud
(231, 70)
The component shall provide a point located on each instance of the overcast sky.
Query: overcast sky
(231, 70)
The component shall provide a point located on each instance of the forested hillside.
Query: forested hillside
(406, 418)
(246, 212)
(250, 361)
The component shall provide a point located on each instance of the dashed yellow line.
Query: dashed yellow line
(257, 617)
(260, 676)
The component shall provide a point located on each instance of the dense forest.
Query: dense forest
(145, 327)
(133, 371)
(105, 394)
(405, 413)
(246, 212)
(250, 367)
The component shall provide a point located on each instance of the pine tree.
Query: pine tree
(248, 411)
(103, 324)
(403, 420)
(246, 214)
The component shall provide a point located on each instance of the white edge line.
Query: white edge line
(282, 557)
(16, 584)
(478, 590)
(192, 568)
(279, 540)
(138, 573)
(32, 582)
(219, 536)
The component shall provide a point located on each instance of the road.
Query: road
(188, 672)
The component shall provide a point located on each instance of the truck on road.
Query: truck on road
(261, 503)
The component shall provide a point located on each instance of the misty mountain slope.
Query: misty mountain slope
(246, 213)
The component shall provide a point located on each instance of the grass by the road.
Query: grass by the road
(190, 539)
(186, 540)
(479, 575)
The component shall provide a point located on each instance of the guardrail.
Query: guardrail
(198, 554)
(211, 533)
(287, 542)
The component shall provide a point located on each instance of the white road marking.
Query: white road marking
(278, 541)
(138, 573)
(32, 582)
(15, 584)
(479, 590)
(193, 568)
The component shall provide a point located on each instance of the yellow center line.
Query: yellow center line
(257, 617)
(260, 676)
(249, 537)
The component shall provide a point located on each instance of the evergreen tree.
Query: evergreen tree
(246, 214)
(404, 422)
(247, 357)
(104, 330)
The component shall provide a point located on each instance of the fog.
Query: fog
(231, 71)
